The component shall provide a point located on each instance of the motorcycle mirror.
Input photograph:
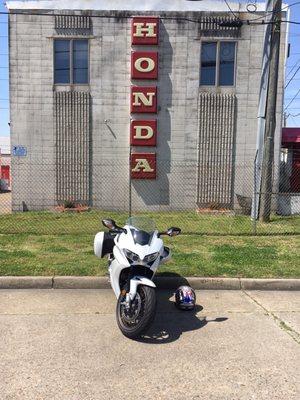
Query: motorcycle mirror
(173, 231)
(109, 223)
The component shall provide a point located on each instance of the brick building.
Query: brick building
(76, 88)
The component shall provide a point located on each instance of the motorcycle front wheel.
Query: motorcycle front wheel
(133, 322)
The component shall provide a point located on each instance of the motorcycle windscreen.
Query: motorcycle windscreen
(141, 237)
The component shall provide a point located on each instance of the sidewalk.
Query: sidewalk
(65, 345)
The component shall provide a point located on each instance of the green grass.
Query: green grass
(48, 243)
(190, 222)
(193, 255)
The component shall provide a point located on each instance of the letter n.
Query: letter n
(143, 99)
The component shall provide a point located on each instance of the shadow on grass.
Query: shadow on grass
(170, 323)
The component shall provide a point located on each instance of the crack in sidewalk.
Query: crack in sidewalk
(278, 321)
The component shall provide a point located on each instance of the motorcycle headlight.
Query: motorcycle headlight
(131, 255)
(151, 257)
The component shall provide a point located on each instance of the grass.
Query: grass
(191, 223)
(62, 244)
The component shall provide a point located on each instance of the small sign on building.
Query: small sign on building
(19, 151)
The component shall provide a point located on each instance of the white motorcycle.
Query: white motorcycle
(134, 254)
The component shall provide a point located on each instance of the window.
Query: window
(208, 63)
(227, 58)
(71, 61)
(217, 63)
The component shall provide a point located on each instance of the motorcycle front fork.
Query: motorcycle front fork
(126, 289)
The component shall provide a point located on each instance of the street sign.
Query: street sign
(19, 151)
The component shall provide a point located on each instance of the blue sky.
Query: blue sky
(293, 63)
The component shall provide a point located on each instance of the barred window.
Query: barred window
(217, 63)
(71, 61)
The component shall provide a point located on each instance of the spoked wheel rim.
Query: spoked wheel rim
(131, 317)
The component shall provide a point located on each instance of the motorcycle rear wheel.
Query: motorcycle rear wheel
(134, 322)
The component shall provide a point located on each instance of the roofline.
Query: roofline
(132, 5)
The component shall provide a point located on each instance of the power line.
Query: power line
(248, 22)
(292, 100)
(267, 13)
(292, 77)
(294, 120)
(228, 6)
(276, 12)
(296, 63)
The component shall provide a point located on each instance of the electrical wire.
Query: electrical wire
(41, 14)
(228, 6)
(292, 68)
(292, 77)
(295, 122)
(248, 22)
(266, 14)
(293, 99)
(276, 12)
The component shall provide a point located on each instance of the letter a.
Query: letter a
(142, 163)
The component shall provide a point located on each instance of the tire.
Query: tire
(145, 316)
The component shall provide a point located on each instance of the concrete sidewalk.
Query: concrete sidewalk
(64, 344)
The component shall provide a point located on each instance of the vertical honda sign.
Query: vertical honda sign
(143, 99)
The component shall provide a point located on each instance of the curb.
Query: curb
(80, 282)
(26, 282)
(165, 282)
(162, 282)
(270, 284)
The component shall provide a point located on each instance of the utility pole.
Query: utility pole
(268, 154)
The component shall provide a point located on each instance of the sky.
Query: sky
(292, 109)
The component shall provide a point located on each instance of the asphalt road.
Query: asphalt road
(64, 344)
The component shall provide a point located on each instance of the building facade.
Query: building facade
(153, 107)
(5, 157)
(289, 185)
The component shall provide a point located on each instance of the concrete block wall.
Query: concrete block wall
(31, 111)
(31, 66)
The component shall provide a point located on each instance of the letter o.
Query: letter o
(138, 64)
